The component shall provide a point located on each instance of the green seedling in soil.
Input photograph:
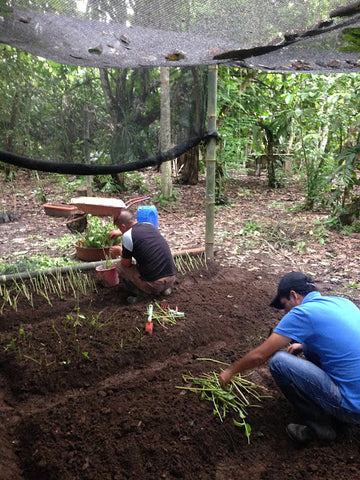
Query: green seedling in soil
(320, 233)
(121, 344)
(21, 333)
(250, 227)
(11, 346)
(57, 334)
(65, 362)
(95, 320)
(139, 334)
(10, 297)
(75, 319)
(187, 263)
(38, 362)
(165, 316)
(301, 246)
(46, 286)
(235, 399)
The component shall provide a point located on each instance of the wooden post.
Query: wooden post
(165, 131)
(87, 149)
(211, 164)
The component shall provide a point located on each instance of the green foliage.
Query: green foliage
(97, 234)
(33, 264)
(132, 182)
(306, 119)
(106, 184)
(250, 227)
(70, 185)
(62, 244)
(351, 36)
(343, 178)
(241, 395)
(320, 232)
(296, 117)
(160, 200)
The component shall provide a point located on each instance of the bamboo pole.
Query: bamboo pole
(50, 271)
(165, 131)
(211, 164)
(11, 277)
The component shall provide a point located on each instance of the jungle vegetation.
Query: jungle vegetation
(284, 124)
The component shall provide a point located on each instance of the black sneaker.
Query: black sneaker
(323, 431)
(301, 434)
(137, 298)
(133, 299)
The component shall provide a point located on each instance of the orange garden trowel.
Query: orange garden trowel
(149, 324)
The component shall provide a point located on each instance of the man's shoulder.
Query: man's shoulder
(145, 228)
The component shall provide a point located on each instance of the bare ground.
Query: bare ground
(86, 394)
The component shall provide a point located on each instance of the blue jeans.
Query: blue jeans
(312, 382)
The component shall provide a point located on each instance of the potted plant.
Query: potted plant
(107, 273)
(94, 243)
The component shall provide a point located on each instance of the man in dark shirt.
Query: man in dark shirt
(154, 272)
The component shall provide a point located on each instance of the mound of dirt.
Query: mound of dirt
(86, 394)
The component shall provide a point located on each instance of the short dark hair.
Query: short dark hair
(126, 217)
(296, 281)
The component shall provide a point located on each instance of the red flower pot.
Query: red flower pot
(109, 277)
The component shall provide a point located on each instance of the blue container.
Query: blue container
(147, 213)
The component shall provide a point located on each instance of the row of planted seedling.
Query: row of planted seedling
(69, 344)
(187, 262)
(48, 286)
(72, 282)
(64, 342)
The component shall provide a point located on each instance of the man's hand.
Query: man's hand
(115, 251)
(115, 233)
(295, 348)
(225, 377)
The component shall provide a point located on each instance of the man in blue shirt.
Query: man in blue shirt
(315, 357)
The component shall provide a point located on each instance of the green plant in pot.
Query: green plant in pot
(109, 262)
(107, 273)
(94, 243)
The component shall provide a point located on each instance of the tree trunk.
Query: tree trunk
(190, 170)
(270, 158)
(10, 140)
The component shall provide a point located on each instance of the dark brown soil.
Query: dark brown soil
(86, 394)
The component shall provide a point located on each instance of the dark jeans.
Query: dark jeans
(311, 381)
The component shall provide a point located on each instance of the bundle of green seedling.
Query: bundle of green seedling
(47, 286)
(187, 263)
(165, 315)
(240, 395)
